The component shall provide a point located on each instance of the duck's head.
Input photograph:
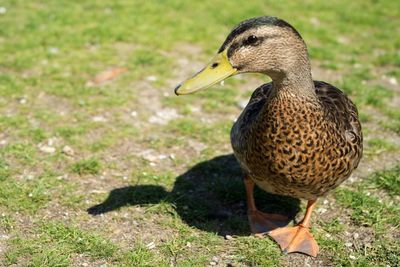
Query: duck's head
(266, 45)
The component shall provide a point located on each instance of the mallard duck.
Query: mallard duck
(296, 137)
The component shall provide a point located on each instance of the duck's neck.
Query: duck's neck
(295, 82)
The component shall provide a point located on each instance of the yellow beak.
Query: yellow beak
(217, 70)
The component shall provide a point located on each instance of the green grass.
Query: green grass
(183, 196)
(86, 166)
(378, 146)
(389, 180)
(55, 243)
(370, 205)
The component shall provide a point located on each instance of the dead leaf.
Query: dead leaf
(108, 75)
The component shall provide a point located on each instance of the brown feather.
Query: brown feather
(298, 146)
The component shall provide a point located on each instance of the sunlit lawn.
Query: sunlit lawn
(125, 173)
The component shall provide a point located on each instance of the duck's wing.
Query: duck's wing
(241, 134)
(340, 110)
(255, 105)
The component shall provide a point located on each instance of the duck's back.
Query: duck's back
(292, 146)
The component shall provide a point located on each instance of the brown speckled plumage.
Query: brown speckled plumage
(295, 145)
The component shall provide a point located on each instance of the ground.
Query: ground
(102, 165)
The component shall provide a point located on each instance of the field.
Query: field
(121, 172)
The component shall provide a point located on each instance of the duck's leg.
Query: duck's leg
(260, 222)
(297, 238)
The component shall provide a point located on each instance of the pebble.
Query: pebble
(356, 235)
(53, 50)
(213, 263)
(52, 141)
(162, 156)
(151, 78)
(229, 237)
(348, 244)
(393, 81)
(47, 149)
(151, 155)
(67, 150)
(134, 113)
(151, 245)
(351, 257)
(3, 142)
(215, 259)
(23, 101)
(3, 10)
(85, 264)
(328, 235)
(62, 177)
(29, 177)
(99, 119)
(321, 210)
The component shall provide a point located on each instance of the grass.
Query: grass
(389, 180)
(86, 166)
(139, 193)
(378, 146)
(55, 243)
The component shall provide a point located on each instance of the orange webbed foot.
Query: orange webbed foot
(261, 223)
(295, 239)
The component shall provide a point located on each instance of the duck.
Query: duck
(296, 137)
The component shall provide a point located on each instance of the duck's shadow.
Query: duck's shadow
(210, 196)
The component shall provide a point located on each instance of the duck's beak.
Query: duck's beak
(217, 70)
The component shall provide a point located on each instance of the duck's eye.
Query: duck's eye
(251, 40)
